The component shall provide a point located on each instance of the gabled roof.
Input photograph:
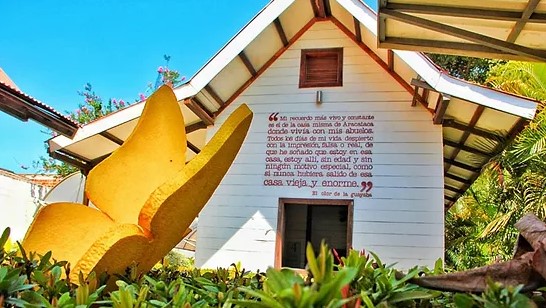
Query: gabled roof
(22, 106)
(4, 78)
(513, 29)
(471, 114)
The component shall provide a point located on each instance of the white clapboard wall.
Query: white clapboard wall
(402, 222)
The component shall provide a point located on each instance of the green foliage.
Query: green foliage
(480, 226)
(94, 107)
(286, 288)
(358, 280)
(91, 109)
(467, 68)
(29, 280)
(495, 296)
(176, 259)
(383, 286)
(523, 78)
(51, 165)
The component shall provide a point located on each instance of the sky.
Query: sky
(51, 49)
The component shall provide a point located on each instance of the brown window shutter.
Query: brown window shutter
(321, 68)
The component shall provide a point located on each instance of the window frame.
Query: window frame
(279, 237)
(307, 53)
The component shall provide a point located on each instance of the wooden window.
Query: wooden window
(321, 68)
(311, 220)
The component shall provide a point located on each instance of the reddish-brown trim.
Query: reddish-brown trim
(327, 8)
(247, 63)
(321, 8)
(266, 65)
(358, 31)
(457, 178)
(193, 147)
(516, 129)
(378, 60)
(280, 31)
(304, 29)
(512, 133)
(281, 217)
(520, 24)
(451, 162)
(315, 8)
(454, 189)
(214, 95)
(84, 166)
(24, 107)
(308, 54)
(475, 118)
(414, 98)
(195, 126)
(390, 59)
(423, 99)
(74, 155)
(440, 110)
(199, 110)
(372, 55)
(111, 137)
(473, 130)
(279, 235)
(466, 148)
(425, 96)
(458, 164)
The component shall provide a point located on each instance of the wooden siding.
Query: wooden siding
(402, 221)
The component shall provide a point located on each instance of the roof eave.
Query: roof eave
(232, 48)
(440, 80)
(24, 107)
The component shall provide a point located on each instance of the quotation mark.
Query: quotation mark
(366, 186)
(274, 117)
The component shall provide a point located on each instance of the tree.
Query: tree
(93, 108)
(467, 68)
(513, 182)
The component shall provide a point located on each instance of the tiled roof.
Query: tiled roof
(37, 179)
(5, 79)
(23, 106)
(46, 181)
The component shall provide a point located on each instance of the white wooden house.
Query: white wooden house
(360, 146)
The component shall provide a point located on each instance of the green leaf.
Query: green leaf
(366, 300)
(331, 289)
(266, 300)
(407, 277)
(438, 266)
(22, 287)
(409, 295)
(278, 280)
(66, 301)
(3, 273)
(17, 302)
(4, 238)
(463, 300)
(312, 262)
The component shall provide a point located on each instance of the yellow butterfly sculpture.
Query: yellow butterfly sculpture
(146, 194)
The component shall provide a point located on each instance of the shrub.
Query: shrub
(360, 280)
